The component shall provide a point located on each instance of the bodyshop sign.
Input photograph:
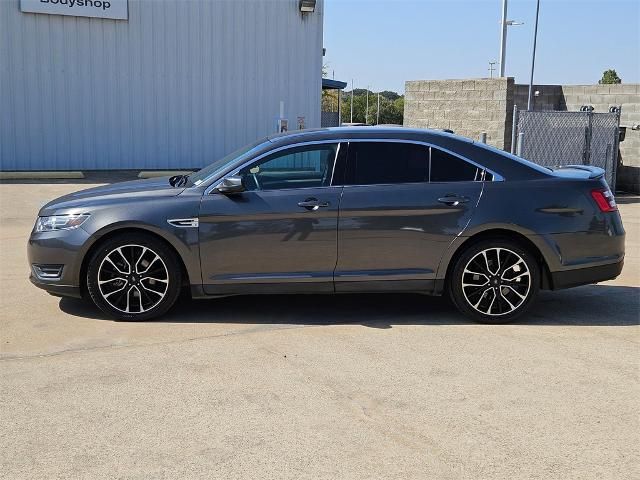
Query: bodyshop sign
(116, 9)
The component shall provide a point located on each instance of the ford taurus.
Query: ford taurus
(366, 209)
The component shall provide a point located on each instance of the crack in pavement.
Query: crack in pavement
(134, 345)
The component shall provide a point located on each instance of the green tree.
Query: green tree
(398, 108)
(329, 97)
(330, 100)
(391, 112)
(391, 107)
(610, 76)
(359, 105)
(361, 91)
(389, 95)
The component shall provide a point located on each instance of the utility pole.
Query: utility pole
(351, 121)
(366, 111)
(491, 69)
(533, 58)
(378, 112)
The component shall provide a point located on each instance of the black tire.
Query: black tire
(505, 296)
(148, 296)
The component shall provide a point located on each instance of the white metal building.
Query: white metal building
(173, 84)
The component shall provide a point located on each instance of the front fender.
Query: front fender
(151, 217)
(183, 240)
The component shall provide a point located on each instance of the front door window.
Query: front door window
(300, 167)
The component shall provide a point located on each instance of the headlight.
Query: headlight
(60, 222)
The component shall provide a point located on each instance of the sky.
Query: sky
(383, 43)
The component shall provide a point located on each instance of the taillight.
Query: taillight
(604, 198)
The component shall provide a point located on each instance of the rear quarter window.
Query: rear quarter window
(449, 168)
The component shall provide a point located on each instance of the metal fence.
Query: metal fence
(555, 139)
(330, 108)
(330, 119)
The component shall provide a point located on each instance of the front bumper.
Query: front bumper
(63, 248)
(56, 289)
(585, 276)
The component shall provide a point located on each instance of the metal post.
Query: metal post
(366, 110)
(483, 137)
(606, 165)
(503, 37)
(351, 121)
(378, 111)
(339, 108)
(520, 144)
(533, 58)
(514, 129)
(588, 134)
(616, 150)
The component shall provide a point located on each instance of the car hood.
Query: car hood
(113, 193)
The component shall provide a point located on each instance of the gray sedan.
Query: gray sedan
(366, 209)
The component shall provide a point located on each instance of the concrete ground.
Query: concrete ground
(378, 387)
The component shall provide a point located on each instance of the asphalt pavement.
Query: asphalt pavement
(315, 387)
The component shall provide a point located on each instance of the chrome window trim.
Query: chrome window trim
(496, 176)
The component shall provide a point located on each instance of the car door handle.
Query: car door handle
(453, 200)
(313, 204)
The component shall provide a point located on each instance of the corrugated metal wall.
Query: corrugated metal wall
(181, 83)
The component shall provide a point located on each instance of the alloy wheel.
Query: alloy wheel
(133, 279)
(496, 281)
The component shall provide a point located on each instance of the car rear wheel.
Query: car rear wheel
(494, 281)
(134, 277)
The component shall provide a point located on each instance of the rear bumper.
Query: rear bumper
(585, 276)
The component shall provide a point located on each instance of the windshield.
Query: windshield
(221, 164)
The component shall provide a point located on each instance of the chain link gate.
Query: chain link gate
(555, 139)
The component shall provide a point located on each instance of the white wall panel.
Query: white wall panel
(182, 82)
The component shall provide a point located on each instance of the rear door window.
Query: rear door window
(373, 163)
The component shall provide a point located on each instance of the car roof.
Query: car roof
(373, 132)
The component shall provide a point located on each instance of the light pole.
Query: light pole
(503, 36)
(378, 111)
(366, 111)
(351, 121)
(533, 58)
(504, 23)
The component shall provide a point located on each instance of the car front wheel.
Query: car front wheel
(494, 281)
(134, 277)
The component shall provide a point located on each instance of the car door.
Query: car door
(280, 234)
(402, 205)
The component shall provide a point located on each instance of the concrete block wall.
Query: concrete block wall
(600, 97)
(550, 98)
(468, 107)
(473, 106)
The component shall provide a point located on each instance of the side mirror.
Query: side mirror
(231, 185)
